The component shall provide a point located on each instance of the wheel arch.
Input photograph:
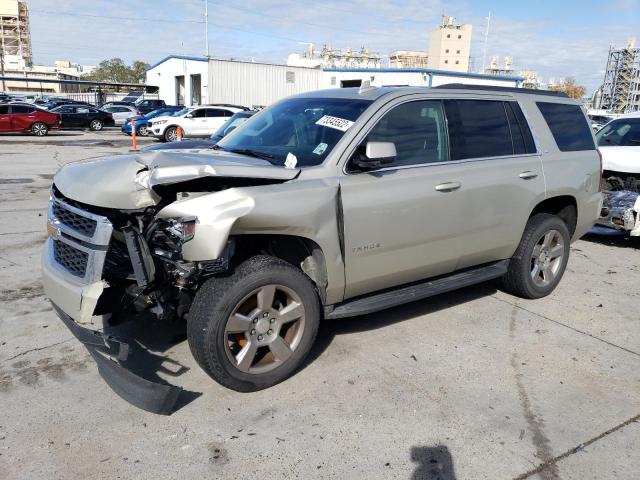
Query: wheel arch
(301, 252)
(564, 206)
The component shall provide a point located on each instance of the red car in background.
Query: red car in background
(27, 118)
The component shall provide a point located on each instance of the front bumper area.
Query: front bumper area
(142, 393)
(621, 212)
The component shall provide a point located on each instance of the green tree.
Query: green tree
(115, 70)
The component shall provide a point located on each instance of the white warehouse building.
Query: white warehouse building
(185, 80)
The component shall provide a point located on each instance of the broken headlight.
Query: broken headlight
(182, 229)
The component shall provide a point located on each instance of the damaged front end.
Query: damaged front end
(114, 263)
(620, 211)
(119, 244)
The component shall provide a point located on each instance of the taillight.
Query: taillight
(109, 116)
(601, 184)
(139, 114)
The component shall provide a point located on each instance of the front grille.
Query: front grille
(117, 264)
(85, 226)
(73, 260)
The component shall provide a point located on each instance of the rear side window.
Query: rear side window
(477, 129)
(217, 112)
(520, 132)
(568, 126)
(21, 109)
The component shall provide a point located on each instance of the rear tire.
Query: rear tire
(39, 129)
(96, 125)
(171, 134)
(541, 258)
(254, 328)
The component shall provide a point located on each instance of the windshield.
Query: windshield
(234, 122)
(179, 113)
(307, 128)
(620, 133)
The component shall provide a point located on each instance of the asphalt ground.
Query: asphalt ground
(474, 384)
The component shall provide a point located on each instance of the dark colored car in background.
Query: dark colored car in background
(83, 116)
(234, 122)
(142, 121)
(146, 106)
(57, 102)
(27, 118)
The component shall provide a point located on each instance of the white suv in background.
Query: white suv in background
(197, 122)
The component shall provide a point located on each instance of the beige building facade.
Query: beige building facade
(450, 46)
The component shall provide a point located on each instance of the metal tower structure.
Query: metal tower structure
(15, 39)
(621, 87)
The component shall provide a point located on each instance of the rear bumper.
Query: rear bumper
(105, 350)
(588, 214)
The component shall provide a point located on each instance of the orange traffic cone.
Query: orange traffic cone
(134, 146)
(180, 133)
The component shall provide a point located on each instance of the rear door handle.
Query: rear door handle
(448, 186)
(528, 175)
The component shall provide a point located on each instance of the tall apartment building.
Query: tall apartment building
(450, 46)
(15, 39)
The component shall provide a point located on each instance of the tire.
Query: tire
(96, 125)
(39, 129)
(541, 258)
(171, 134)
(233, 304)
(143, 131)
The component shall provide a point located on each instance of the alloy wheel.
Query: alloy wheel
(547, 257)
(39, 129)
(143, 131)
(265, 328)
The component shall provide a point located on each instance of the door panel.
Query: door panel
(5, 119)
(398, 228)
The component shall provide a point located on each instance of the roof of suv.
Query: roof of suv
(373, 93)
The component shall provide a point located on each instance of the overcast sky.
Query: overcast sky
(555, 38)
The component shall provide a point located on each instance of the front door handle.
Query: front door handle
(528, 175)
(448, 186)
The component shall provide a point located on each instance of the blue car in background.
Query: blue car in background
(141, 122)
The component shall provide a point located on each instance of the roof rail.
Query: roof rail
(464, 86)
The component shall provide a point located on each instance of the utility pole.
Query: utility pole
(4, 86)
(486, 39)
(206, 25)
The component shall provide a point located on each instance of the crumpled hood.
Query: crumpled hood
(621, 159)
(126, 181)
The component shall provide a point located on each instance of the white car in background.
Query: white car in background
(619, 144)
(121, 113)
(200, 121)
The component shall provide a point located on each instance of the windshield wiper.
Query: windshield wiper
(252, 153)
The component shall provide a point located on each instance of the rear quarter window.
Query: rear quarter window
(568, 126)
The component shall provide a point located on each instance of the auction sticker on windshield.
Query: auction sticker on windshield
(335, 122)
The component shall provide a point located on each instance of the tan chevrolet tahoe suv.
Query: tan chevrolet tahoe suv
(325, 205)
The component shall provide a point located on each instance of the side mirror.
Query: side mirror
(376, 154)
(189, 115)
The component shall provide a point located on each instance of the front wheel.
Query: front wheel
(143, 131)
(254, 328)
(39, 129)
(171, 134)
(541, 258)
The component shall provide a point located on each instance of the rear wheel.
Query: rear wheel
(171, 134)
(254, 328)
(96, 125)
(541, 258)
(39, 129)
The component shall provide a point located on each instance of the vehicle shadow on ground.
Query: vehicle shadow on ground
(150, 342)
(434, 463)
(330, 328)
(621, 240)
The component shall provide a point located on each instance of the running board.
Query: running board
(391, 298)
